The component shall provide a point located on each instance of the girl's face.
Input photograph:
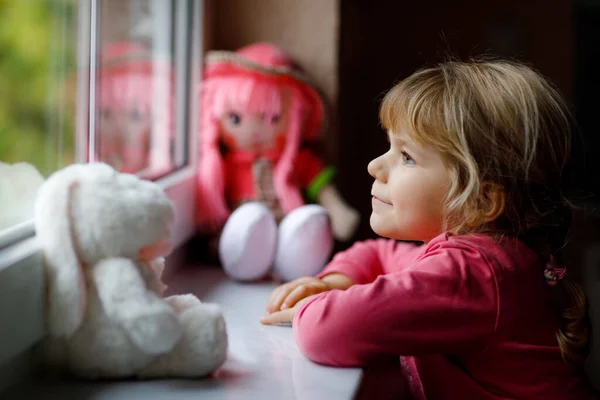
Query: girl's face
(411, 184)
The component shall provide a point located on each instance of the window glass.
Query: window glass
(37, 86)
(136, 87)
(38, 64)
(91, 80)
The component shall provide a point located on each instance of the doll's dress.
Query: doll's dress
(258, 235)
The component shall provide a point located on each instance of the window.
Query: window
(92, 80)
(96, 80)
(37, 101)
(138, 60)
(37, 64)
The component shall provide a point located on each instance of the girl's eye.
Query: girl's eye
(106, 114)
(407, 159)
(234, 118)
(275, 119)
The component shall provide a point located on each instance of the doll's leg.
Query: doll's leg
(305, 243)
(201, 349)
(247, 243)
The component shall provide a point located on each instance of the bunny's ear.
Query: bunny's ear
(66, 302)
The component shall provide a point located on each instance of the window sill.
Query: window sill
(22, 304)
(16, 233)
(263, 361)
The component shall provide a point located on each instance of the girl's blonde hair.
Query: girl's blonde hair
(501, 123)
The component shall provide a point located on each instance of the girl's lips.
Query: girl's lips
(378, 199)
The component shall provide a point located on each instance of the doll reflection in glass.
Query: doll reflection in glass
(134, 134)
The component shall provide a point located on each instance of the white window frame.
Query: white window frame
(22, 282)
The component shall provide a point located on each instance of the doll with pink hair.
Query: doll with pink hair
(135, 110)
(258, 111)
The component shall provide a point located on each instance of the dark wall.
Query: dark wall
(385, 41)
(587, 95)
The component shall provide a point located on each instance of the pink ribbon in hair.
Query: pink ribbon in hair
(554, 274)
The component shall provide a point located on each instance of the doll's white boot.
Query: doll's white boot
(305, 243)
(247, 243)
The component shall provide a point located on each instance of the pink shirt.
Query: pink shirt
(469, 317)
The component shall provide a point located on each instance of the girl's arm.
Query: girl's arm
(365, 261)
(360, 264)
(445, 303)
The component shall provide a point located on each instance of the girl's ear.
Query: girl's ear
(491, 204)
(493, 201)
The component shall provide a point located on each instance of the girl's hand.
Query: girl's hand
(289, 294)
(284, 316)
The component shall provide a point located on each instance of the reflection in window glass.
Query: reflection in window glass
(136, 86)
(135, 109)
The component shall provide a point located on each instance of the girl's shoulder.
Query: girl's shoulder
(507, 254)
(481, 242)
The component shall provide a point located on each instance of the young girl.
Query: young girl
(477, 151)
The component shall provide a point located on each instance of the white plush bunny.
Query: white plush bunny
(103, 234)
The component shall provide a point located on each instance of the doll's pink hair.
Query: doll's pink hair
(228, 85)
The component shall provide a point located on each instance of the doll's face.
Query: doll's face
(246, 131)
(243, 130)
(129, 122)
(124, 137)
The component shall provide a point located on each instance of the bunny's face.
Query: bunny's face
(117, 215)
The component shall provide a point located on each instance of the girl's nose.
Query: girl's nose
(377, 169)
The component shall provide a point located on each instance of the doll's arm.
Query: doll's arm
(344, 219)
(150, 323)
(316, 178)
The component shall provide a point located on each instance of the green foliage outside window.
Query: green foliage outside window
(37, 82)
